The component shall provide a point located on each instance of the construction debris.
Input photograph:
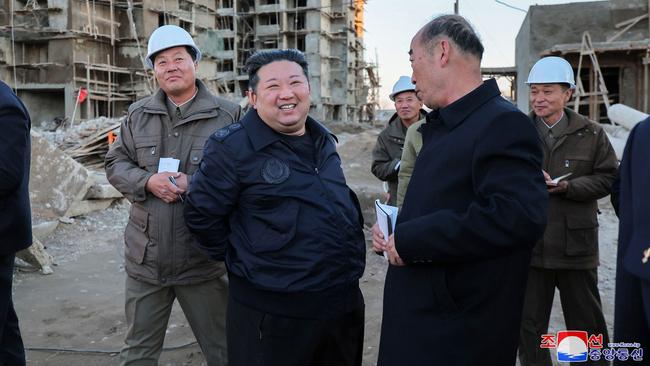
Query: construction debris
(37, 257)
(62, 188)
(56, 180)
(624, 119)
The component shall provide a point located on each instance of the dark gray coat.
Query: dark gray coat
(571, 237)
(158, 245)
(388, 152)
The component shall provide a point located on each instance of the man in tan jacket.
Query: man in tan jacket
(159, 148)
(567, 256)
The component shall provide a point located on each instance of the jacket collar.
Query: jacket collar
(395, 126)
(261, 135)
(576, 121)
(203, 101)
(455, 113)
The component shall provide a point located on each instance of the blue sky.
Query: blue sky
(391, 24)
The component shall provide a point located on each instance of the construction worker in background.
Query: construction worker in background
(388, 150)
(159, 148)
(15, 215)
(566, 257)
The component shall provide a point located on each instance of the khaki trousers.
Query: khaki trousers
(148, 308)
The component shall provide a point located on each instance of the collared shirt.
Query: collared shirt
(178, 111)
(550, 134)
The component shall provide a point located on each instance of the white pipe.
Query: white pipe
(625, 116)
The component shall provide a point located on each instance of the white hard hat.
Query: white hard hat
(551, 70)
(169, 36)
(403, 84)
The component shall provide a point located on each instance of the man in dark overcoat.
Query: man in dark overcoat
(15, 215)
(475, 206)
(631, 199)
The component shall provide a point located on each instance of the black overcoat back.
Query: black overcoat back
(474, 208)
(15, 212)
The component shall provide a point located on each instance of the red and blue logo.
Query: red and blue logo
(572, 346)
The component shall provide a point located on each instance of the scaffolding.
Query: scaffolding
(98, 45)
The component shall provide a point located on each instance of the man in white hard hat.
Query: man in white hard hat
(579, 167)
(152, 162)
(388, 150)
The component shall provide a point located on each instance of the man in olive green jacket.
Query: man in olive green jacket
(161, 262)
(387, 152)
(567, 256)
(410, 152)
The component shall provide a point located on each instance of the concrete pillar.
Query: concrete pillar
(69, 98)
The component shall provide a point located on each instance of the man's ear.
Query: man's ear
(252, 98)
(445, 46)
(567, 95)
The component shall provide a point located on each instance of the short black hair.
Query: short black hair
(265, 57)
(456, 28)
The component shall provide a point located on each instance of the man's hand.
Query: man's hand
(160, 186)
(181, 180)
(561, 187)
(393, 256)
(380, 245)
(547, 177)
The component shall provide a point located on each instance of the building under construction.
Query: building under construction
(50, 49)
(612, 57)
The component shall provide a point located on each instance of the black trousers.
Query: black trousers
(580, 304)
(632, 313)
(260, 339)
(12, 352)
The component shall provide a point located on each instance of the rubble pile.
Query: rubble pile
(67, 179)
(86, 142)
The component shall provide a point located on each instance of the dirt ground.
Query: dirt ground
(75, 316)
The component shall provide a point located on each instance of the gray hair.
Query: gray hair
(265, 57)
(456, 28)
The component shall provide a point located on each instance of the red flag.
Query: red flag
(83, 93)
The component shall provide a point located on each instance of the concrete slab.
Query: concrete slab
(87, 206)
(56, 180)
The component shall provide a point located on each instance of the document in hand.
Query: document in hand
(557, 180)
(386, 219)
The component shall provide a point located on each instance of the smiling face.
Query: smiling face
(408, 107)
(281, 97)
(548, 100)
(176, 73)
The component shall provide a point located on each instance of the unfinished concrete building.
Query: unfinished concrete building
(329, 32)
(50, 49)
(620, 33)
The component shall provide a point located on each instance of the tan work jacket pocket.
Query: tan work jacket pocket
(136, 237)
(196, 154)
(581, 235)
(148, 155)
(579, 165)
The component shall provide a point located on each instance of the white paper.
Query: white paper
(557, 180)
(168, 165)
(386, 219)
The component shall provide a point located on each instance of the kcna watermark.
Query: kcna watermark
(579, 346)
